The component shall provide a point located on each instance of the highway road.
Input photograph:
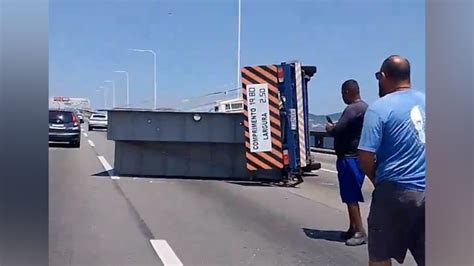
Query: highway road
(98, 219)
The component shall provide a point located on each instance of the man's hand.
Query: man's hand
(329, 127)
(367, 164)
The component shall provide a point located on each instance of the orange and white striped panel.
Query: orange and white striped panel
(300, 114)
(272, 159)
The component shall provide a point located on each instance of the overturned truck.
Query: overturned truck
(269, 140)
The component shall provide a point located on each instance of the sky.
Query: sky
(196, 45)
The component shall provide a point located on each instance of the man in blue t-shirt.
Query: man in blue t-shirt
(392, 155)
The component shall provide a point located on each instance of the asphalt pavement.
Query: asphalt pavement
(99, 219)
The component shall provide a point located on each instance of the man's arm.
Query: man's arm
(341, 125)
(370, 140)
(367, 164)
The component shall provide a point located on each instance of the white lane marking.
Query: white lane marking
(166, 254)
(107, 167)
(327, 170)
(335, 172)
(327, 155)
(328, 184)
(85, 135)
(104, 162)
(91, 143)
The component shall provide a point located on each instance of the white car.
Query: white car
(98, 121)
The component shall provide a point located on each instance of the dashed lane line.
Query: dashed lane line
(107, 167)
(165, 252)
(85, 135)
(162, 248)
(91, 143)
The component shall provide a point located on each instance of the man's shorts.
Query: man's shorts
(351, 179)
(396, 224)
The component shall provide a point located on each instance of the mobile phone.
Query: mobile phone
(329, 120)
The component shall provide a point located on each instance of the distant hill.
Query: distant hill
(317, 122)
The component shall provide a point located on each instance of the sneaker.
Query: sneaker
(348, 234)
(357, 239)
(296, 182)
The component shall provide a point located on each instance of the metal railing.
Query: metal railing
(321, 142)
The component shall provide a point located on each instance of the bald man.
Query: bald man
(392, 155)
(346, 133)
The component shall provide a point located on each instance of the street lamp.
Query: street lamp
(102, 88)
(154, 72)
(128, 91)
(113, 91)
(239, 83)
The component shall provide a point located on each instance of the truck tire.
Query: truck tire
(313, 164)
(312, 167)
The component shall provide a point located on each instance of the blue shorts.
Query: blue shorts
(351, 179)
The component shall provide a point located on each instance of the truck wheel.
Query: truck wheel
(312, 167)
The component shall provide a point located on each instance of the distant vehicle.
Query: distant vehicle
(98, 121)
(64, 126)
(80, 116)
(229, 106)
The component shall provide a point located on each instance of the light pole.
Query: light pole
(239, 83)
(113, 91)
(128, 91)
(102, 88)
(154, 72)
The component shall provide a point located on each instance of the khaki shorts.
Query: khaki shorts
(396, 224)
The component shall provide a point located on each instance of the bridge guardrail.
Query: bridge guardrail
(321, 142)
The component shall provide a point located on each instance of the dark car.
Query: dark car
(80, 116)
(64, 126)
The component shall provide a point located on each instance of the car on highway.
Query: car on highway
(80, 116)
(98, 121)
(64, 126)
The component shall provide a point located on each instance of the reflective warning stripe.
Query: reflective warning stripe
(300, 115)
(274, 158)
(251, 167)
(268, 158)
